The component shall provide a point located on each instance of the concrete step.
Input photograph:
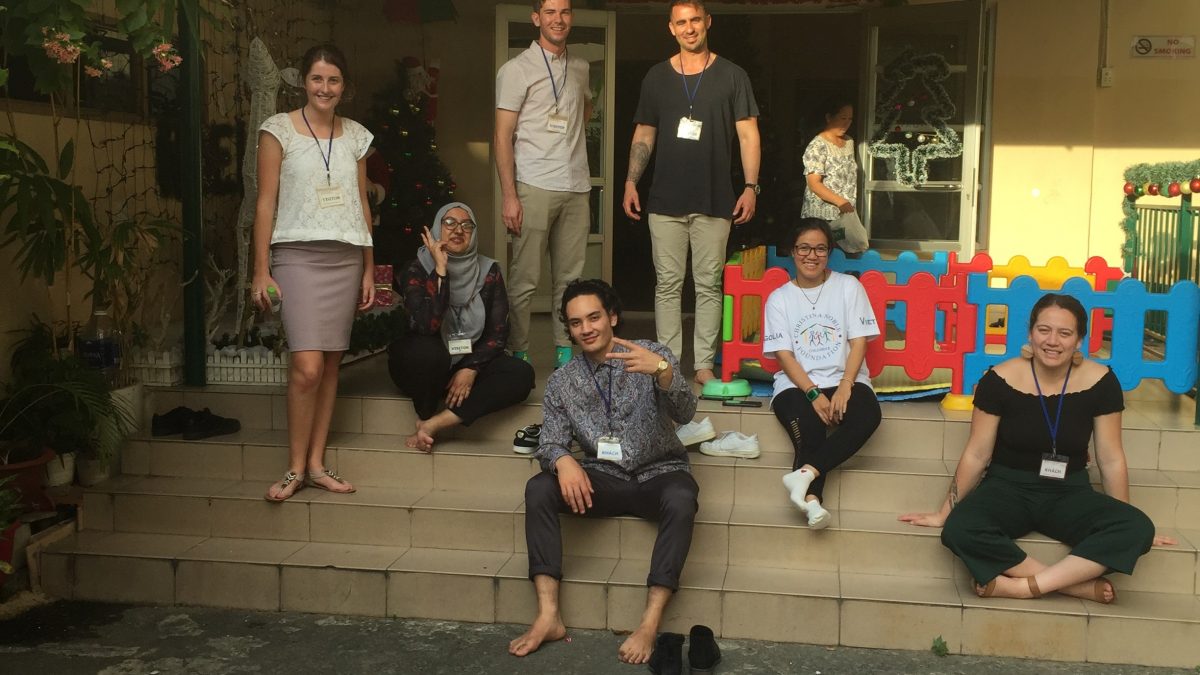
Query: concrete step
(737, 601)
(864, 483)
(739, 534)
(1159, 433)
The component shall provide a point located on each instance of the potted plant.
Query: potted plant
(55, 403)
(10, 509)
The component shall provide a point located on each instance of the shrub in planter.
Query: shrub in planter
(10, 508)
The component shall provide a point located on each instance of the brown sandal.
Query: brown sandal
(288, 479)
(314, 477)
(1034, 591)
(1098, 591)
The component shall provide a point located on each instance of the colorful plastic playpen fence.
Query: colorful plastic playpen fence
(940, 306)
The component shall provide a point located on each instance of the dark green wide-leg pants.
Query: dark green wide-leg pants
(1009, 503)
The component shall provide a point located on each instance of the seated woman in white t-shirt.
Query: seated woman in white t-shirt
(817, 327)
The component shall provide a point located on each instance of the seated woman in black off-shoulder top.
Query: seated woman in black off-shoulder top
(1030, 429)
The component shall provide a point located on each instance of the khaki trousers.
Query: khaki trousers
(557, 222)
(670, 237)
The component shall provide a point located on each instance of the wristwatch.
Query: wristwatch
(662, 368)
(756, 187)
(812, 394)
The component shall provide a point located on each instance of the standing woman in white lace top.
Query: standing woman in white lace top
(312, 250)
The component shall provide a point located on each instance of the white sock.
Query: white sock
(797, 483)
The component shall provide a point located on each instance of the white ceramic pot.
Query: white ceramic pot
(93, 471)
(61, 470)
(131, 400)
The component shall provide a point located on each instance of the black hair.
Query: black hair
(329, 53)
(609, 300)
(1063, 301)
(804, 225)
(828, 107)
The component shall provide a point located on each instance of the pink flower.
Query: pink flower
(166, 56)
(92, 72)
(59, 46)
(106, 64)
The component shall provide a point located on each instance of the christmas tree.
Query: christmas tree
(405, 166)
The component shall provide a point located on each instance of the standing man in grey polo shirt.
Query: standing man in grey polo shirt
(542, 105)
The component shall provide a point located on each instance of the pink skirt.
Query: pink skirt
(321, 283)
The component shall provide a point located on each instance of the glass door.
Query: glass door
(592, 38)
(922, 110)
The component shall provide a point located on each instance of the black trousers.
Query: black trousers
(669, 499)
(420, 367)
(1009, 503)
(810, 441)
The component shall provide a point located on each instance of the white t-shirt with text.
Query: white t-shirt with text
(818, 333)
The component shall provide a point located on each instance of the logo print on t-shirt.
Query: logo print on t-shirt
(817, 336)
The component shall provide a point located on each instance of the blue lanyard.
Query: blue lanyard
(691, 95)
(607, 400)
(1046, 411)
(324, 157)
(553, 86)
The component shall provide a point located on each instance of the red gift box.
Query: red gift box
(385, 296)
(383, 274)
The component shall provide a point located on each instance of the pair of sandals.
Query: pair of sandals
(310, 480)
(1100, 585)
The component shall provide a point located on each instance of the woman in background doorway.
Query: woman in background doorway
(831, 175)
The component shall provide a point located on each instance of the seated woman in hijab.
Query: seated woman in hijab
(457, 327)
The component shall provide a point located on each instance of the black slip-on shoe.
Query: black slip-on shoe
(667, 657)
(171, 423)
(204, 424)
(703, 652)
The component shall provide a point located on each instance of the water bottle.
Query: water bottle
(274, 299)
(99, 346)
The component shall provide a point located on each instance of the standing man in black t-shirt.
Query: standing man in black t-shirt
(699, 101)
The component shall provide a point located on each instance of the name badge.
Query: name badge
(609, 448)
(689, 129)
(330, 196)
(556, 124)
(1053, 466)
(459, 344)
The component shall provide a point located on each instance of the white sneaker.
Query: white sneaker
(732, 444)
(818, 517)
(694, 432)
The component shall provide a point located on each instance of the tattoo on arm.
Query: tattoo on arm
(953, 493)
(639, 157)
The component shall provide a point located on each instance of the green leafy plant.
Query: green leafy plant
(55, 400)
(376, 331)
(10, 508)
(939, 647)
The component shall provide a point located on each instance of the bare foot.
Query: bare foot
(421, 439)
(1005, 587)
(704, 375)
(637, 647)
(1097, 590)
(544, 629)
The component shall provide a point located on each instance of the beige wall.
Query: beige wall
(1055, 131)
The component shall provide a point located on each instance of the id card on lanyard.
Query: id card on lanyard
(608, 447)
(690, 128)
(1054, 465)
(556, 123)
(459, 343)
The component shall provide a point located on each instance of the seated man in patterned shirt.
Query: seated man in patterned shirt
(621, 401)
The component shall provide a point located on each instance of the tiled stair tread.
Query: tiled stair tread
(698, 576)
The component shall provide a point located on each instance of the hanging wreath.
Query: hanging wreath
(911, 166)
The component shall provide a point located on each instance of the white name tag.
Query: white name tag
(330, 196)
(556, 124)
(609, 448)
(1053, 466)
(689, 129)
(459, 345)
